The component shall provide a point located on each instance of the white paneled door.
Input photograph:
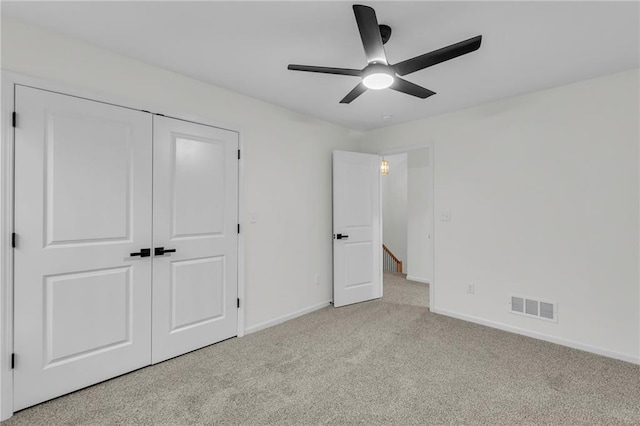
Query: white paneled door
(126, 249)
(357, 249)
(195, 225)
(82, 207)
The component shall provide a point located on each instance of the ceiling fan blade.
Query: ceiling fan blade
(370, 34)
(409, 88)
(357, 91)
(325, 70)
(437, 56)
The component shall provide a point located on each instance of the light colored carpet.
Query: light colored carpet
(377, 362)
(397, 289)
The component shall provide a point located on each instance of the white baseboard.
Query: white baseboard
(286, 317)
(418, 280)
(541, 336)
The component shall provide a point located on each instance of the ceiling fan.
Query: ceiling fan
(379, 74)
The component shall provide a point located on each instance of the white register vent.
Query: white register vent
(534, 308)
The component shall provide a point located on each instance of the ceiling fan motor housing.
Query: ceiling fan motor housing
(377, 68)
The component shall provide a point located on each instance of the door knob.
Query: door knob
(342, 236)
(145, 252)
(159, 251)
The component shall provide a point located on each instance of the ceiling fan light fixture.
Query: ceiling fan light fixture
(378, 80)
(378, 76)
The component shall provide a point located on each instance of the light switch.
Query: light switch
(253, 217)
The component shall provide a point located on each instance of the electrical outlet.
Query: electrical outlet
(317, 279)
(471, 288)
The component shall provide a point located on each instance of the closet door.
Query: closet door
(82, 211)
(195, 217)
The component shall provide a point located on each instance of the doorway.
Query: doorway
(407, 211)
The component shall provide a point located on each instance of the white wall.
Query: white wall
(287, 160)
(419, 216)
(543, 190)
(394, 207)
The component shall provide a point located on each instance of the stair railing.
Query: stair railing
(390, 262)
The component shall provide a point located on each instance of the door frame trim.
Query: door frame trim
(9, 81)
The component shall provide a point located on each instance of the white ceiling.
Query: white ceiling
(246, 46)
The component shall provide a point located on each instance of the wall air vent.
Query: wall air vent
(517, 304)
(534, 308)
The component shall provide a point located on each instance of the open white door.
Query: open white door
(357, 275)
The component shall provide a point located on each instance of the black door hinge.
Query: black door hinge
(238, 228)
(13, 361)
(13, 240)
(238, 154)
(14, 119)
(238, 302)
